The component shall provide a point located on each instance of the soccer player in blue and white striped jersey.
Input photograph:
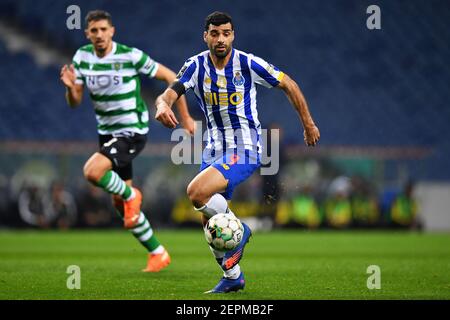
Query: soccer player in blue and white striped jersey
(224, 82)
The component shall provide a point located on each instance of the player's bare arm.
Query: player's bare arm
(74, 92)
(164, 112)
(167, 75)
(290, 87)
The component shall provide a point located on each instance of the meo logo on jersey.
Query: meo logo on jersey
(223, 98)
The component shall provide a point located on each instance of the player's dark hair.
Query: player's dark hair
(97, 15)
(218, 18)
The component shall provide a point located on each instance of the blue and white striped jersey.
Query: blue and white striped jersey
(228, 97)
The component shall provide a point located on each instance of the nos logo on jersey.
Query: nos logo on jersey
(238, 79)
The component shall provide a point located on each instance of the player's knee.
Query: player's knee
(196, 195)
(191, 191)
(91, 174)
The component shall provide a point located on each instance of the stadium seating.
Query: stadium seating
(385, 87)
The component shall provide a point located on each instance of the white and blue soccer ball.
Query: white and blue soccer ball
(224, 232)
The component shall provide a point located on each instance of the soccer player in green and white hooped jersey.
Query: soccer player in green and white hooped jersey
(110, 71)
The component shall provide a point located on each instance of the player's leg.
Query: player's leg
(99, 171)
(121, 150)
(204, 193)
(158, 257)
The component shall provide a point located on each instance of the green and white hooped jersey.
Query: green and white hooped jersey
(114, 86)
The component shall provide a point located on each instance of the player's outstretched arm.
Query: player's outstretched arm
(167, 75)
(290, 87)
(164, 113)
(74, 92)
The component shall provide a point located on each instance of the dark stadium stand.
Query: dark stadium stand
(386, 87)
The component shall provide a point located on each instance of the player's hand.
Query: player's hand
(68, 75)
(165, 115)
(311, 135)
(189, 125)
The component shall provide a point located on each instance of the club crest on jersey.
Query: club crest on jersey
(117, 66)
(207, 81)
(238, 79)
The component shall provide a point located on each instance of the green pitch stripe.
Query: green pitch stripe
(106, 127)
(105, 66)
(113, 97)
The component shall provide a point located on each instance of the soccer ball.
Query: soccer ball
(224, 232)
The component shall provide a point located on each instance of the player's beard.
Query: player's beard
(222, 54)
(100, 51)
(101, 47)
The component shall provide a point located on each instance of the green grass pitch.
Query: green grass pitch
(277, 265)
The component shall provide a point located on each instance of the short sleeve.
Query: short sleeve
(265, 73)
(143, 63)
(76, 61)
(186, 75)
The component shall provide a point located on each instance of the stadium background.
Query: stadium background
(379, 97)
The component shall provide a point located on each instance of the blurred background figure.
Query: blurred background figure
(32, 207)
(404, 208)
(337, 206)
(305, 209)
(364, 203)
(95, 208)
(62, 206)
(45, 208)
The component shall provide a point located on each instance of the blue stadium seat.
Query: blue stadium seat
(390, 86)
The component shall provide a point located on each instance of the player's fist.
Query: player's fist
(68, 75)
(311, 135)
(165, 115)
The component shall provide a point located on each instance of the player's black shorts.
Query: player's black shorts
(121, 150)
